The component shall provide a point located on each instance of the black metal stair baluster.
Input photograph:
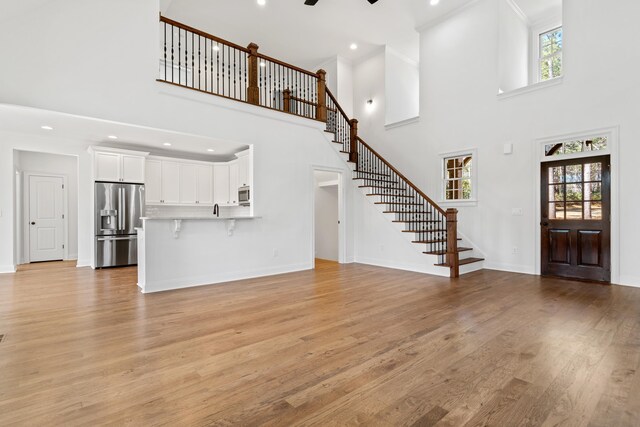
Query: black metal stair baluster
(165, 50)
(193, 61)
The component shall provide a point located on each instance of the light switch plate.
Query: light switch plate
(508, 148)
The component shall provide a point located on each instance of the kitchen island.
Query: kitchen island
(185, 251)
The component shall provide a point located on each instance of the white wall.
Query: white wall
(402, 87)
(326, 215)
(513, 48)
(460, 109)
(55, 164)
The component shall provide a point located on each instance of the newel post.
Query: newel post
(321, 108)
(452, 243)
(286, 98)
(353, 146)
(253, 91)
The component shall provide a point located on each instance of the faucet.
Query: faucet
(216, 210)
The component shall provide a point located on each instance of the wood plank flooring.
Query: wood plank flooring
(341, 345)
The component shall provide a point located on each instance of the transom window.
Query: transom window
(575, 192)
(577, 146)
(458, 177)
(550, 54)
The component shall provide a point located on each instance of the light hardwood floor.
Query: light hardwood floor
(339, 345)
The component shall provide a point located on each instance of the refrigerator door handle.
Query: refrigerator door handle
(122, 209)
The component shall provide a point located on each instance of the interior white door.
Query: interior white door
(46, 222)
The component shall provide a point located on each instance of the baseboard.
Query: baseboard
(83, 263)
(192, 282)
(630, 281)
(7, 269)
(512, 268)
(405, 267)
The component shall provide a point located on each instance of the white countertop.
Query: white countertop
(197, 218)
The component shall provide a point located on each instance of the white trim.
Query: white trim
(473, 201)
(536, 29)
(26, 242)
(518, 11)
(434, 22)
(342, 226)
(401, 56)
(613, 141)
(531, 88)
(401, 123)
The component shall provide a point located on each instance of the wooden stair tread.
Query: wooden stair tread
(435, 230)
(428, 242)
(398, 203)
(465, 261)
(444, 252)
(407, 212)
(382, 186)
(372, 173)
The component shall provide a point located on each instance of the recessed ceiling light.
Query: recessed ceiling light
(434, 2)
(353, 46)
(112, 137)
(46, 127)
(262, 2)
(211, 150)
(167, 144)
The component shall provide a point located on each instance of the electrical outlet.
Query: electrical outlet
(514, 250)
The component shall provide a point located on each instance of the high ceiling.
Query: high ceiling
(309, 35)
(540, 9)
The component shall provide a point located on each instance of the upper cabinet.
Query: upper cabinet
(179, 182)
(244, 169)
(114, 165)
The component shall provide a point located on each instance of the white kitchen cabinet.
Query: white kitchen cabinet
(221, 184)
(170, 182)
(204, 175)
(153, 181)
(179, 182)
(132, 169)
(233, 182)
(188, 184)
(244, 169)
(118, 165)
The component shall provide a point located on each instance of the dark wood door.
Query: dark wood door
(576, 224)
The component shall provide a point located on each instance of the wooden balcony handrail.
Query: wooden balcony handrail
(202, 33)
(287, 65)
(335, 102)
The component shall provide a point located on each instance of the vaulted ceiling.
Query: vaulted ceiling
(307, 36)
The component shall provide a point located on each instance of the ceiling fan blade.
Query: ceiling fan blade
(310, 2)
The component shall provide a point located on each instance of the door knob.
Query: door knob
(33, 223)
(544, 224)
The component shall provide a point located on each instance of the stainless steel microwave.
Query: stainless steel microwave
(244, 196)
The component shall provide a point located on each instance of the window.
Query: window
(577, 146)
(458, 177)
(550, 54)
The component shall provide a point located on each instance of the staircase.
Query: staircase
(196, 60)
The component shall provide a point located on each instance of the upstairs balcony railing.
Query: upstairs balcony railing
(194, 59)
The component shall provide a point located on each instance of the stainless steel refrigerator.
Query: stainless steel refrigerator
(118, 210)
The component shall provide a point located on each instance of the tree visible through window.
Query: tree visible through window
(550, 54)
(458, 177)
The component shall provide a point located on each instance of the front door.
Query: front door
(46, 221)
(576, 227)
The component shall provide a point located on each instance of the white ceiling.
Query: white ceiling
(540, 9)
(307, 36)
(29, 121)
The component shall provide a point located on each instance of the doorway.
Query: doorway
(327, 214)
(576, 218)
(46, 218)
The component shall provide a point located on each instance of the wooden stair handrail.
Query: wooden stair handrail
(431, 202)
(335, 101)
(202, 33)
